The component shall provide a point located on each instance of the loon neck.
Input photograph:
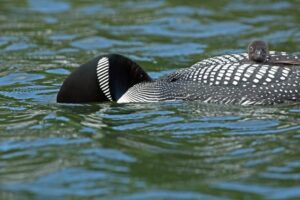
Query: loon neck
(104, 78)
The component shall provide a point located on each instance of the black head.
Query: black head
(104, 78)
(258, 51)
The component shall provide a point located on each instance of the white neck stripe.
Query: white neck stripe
(103, 76)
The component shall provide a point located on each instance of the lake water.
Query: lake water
(177, 150)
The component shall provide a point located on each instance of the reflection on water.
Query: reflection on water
(168, 150)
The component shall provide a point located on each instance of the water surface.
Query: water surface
(173, 150)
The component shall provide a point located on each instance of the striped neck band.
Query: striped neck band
(103, 76)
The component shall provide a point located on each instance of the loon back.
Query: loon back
(228, 79)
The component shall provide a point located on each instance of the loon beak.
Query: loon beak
(258, 52)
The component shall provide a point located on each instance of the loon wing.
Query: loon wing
(236, 74)
(230, 58)
(282, 58)
(233, 68)
(239, 92)
(246, 84)
(184, 74)
(222, 80)
(231, 79)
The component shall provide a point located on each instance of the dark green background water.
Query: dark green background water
(180, 150)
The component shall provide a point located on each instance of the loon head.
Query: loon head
(104, 78)
(258, 51)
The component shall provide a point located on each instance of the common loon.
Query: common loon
(227, 79)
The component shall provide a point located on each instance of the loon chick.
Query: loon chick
(258, 51)
(227, 79)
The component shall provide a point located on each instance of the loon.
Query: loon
(226, 79)
(258, 51)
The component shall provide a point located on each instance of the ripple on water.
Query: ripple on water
(172, 150)
(19, 78)
(95, 9)
(265, 191)
(18, 46)
(48, 6)
(91, 43)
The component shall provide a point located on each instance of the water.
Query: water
(178, 150)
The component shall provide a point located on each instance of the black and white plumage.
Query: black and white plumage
(227, 79)
(104, 78)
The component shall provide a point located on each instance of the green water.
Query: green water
(179, 150)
